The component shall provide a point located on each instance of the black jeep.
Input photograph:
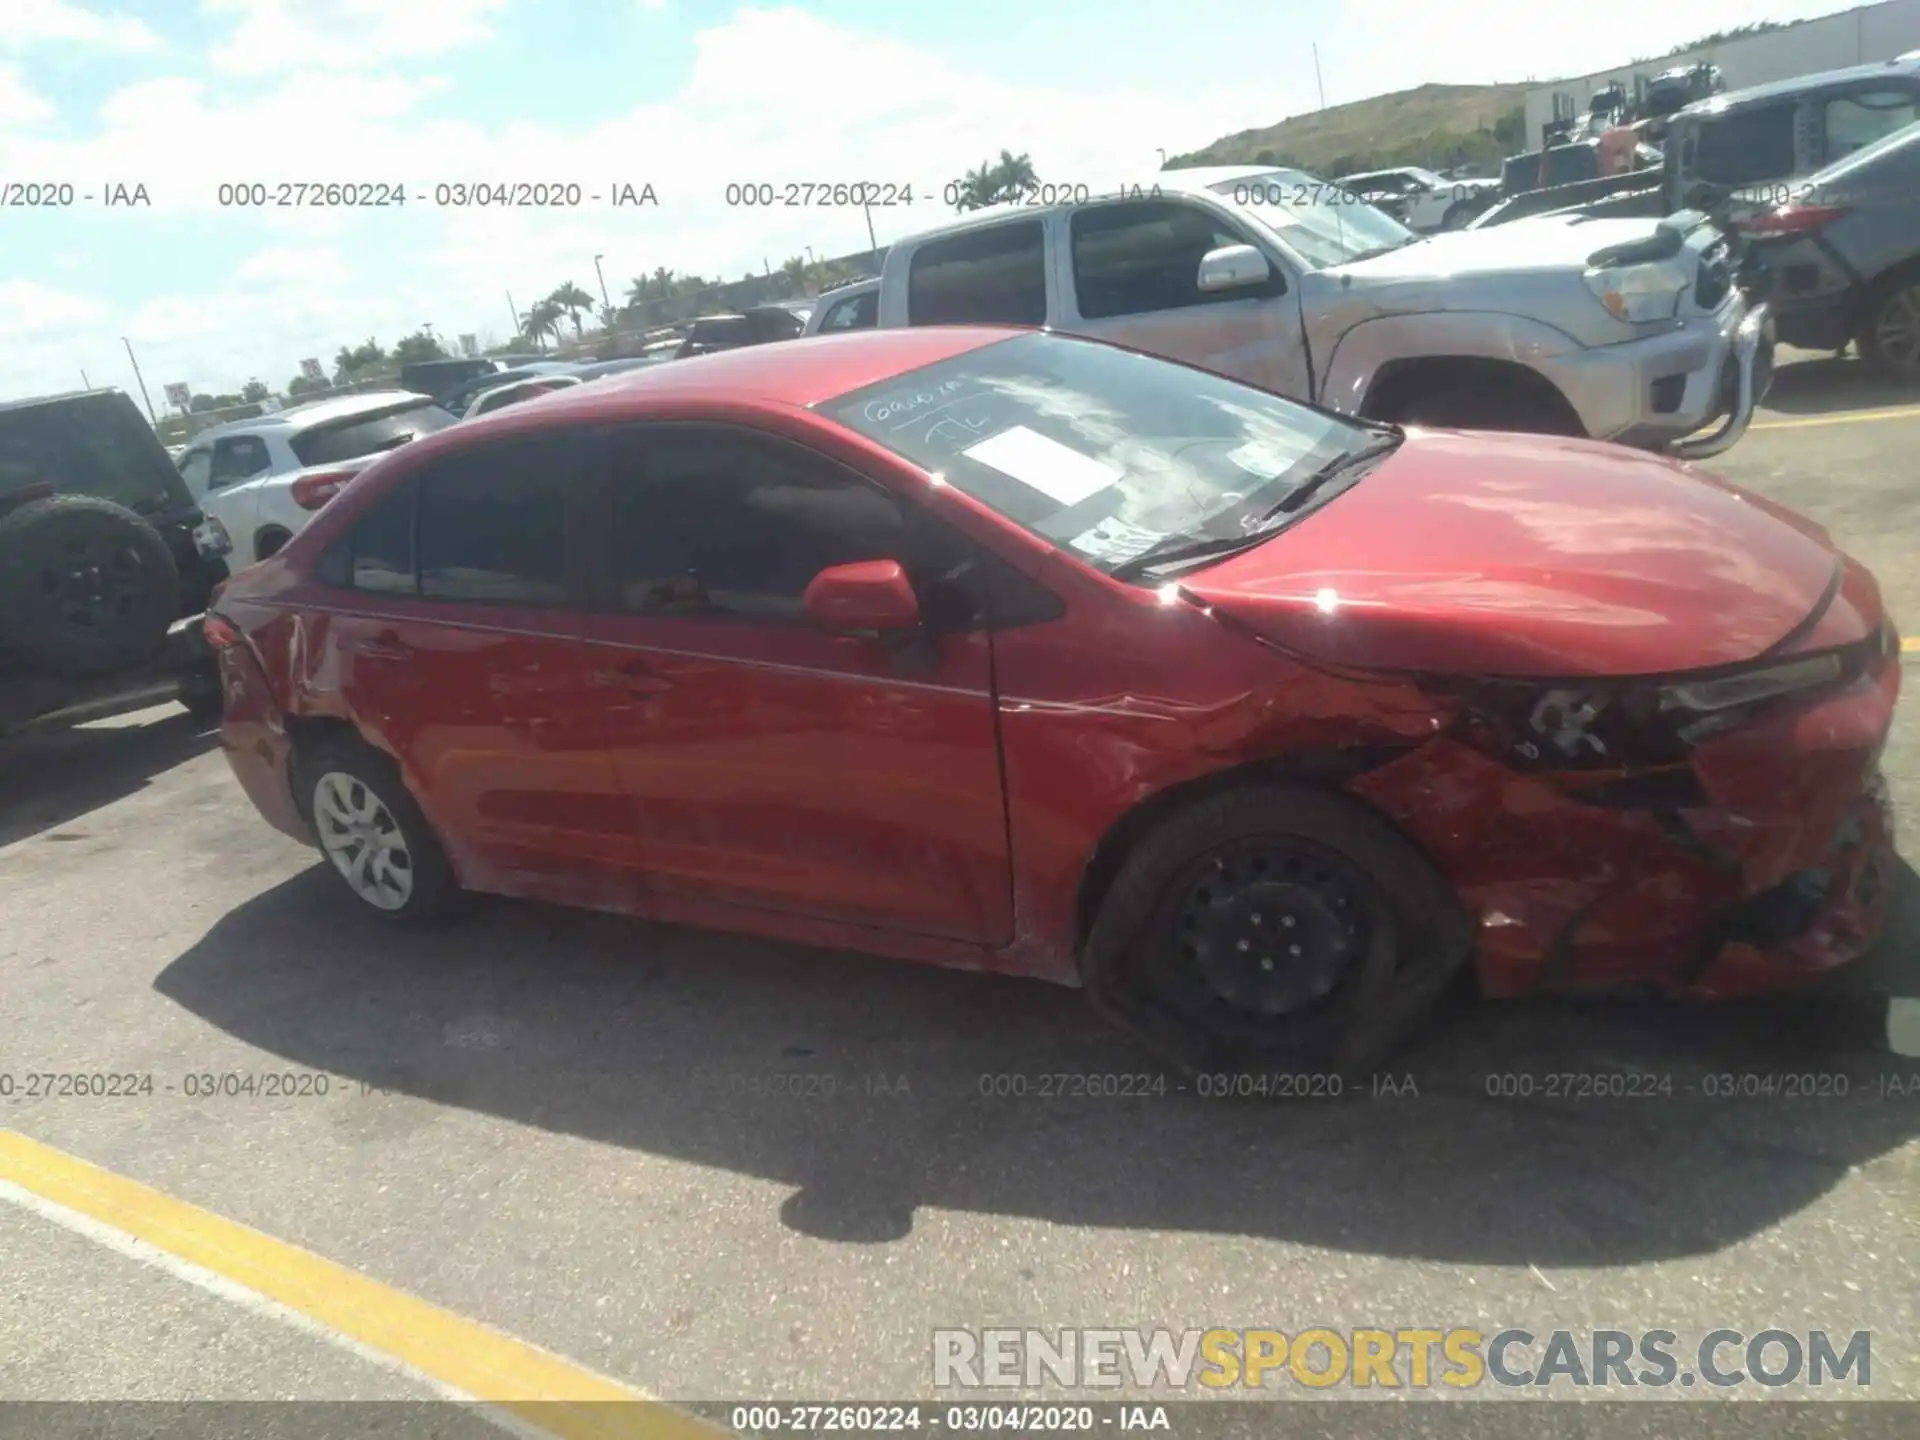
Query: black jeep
(106, 565)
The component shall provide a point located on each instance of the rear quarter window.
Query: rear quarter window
(992, 276)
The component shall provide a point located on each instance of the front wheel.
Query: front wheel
(375, 836)
(1275, 927)
(1490, 408)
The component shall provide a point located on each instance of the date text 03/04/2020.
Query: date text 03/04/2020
(553, 194)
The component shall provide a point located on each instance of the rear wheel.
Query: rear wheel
(375, 836)
(1275, 928)
(1889, 335)
(268, 542)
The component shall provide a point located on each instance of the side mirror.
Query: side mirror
(866, 595)
(1233, 267)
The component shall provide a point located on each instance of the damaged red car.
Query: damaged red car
(1013, 651)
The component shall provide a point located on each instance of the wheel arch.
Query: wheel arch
(1399, 382)
(1327, 768)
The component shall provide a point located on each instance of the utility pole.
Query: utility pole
(1318, 82)
(605, 299)
(143, 383)
(513, 310)
(85, 381)
(873, 245)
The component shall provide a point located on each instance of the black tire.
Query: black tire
(1385, 933)
(432, 894)
(86, 586)
(268, 542)
(1491, 408)
(1894, 298)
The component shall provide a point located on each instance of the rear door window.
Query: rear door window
(491, 523)
(992, 276)
(1745, 146)
(196, 468)
(856, 312)
(366, 435)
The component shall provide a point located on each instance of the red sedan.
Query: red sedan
(1001, 649)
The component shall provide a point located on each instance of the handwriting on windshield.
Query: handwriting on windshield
(956, 431)
(905, 407)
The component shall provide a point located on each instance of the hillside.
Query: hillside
(1434, 125)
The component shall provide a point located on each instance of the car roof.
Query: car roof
(299, 418)
(797, 372)
(62, 398)
(1800, 84)
(1195, 180)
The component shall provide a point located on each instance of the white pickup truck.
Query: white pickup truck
(1629, 330)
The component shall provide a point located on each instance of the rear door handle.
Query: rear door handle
(385, 647)
(634, 677)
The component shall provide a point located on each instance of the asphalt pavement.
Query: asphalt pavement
(572, 1131)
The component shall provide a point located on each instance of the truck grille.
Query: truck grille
(1715, 278)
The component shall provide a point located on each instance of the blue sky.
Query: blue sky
(180, 95)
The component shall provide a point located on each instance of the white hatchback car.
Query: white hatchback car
(514, 391)
(264, 478)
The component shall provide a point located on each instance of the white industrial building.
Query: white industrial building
(1851, 37)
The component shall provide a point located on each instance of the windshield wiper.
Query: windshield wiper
(1329, 472)
(1176, 548)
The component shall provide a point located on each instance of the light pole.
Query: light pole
(85, 381)
(1163, 157)
(143, 382)
(873, 245)
(514, 311)
(605, 299)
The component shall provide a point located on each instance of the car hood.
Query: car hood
(1559, 243)
(1533, 556)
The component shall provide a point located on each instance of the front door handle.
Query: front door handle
(384, 647)
(634, 677)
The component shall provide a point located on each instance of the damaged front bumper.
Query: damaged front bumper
(1766, 861)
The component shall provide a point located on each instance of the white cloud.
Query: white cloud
(282, 35)
(30, 310)
(20, 106)
(29, 22)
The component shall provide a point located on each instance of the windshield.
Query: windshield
(366, 434)
(91, 445)
(1321, 222)
(1099, 450)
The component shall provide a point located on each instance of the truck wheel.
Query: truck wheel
(86, 586)
(1889, 335)
(375, 836)
(1459, 213)
(1276, 928)
(1485, 409)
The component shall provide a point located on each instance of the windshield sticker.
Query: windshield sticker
(1114, 542)
(1265, 459)
(1057, 471)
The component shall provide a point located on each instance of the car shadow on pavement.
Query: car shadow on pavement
(50, 779)
(1830, 385)
(874, 1088)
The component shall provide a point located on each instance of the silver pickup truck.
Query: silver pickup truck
(1627, 330)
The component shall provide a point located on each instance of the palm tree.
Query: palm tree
(541, 321)
(636, 291)
(794, 271)
(572, 299)
(996, 180)
(663, 281)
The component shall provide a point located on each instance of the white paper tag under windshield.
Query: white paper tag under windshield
(1114, 541)
(1264, 458)
(1057, 471)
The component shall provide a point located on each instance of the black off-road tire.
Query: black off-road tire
(1900, 286)
(1407, 945)
(86, 586)
(1492, 408)
(434, 894)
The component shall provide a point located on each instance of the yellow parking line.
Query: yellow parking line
(1899, 412)
(533, 1385)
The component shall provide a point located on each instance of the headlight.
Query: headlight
(1546, 728)
(1639, 293)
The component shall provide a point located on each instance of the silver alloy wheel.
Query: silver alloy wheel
(1896, 329)
(363, 840)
